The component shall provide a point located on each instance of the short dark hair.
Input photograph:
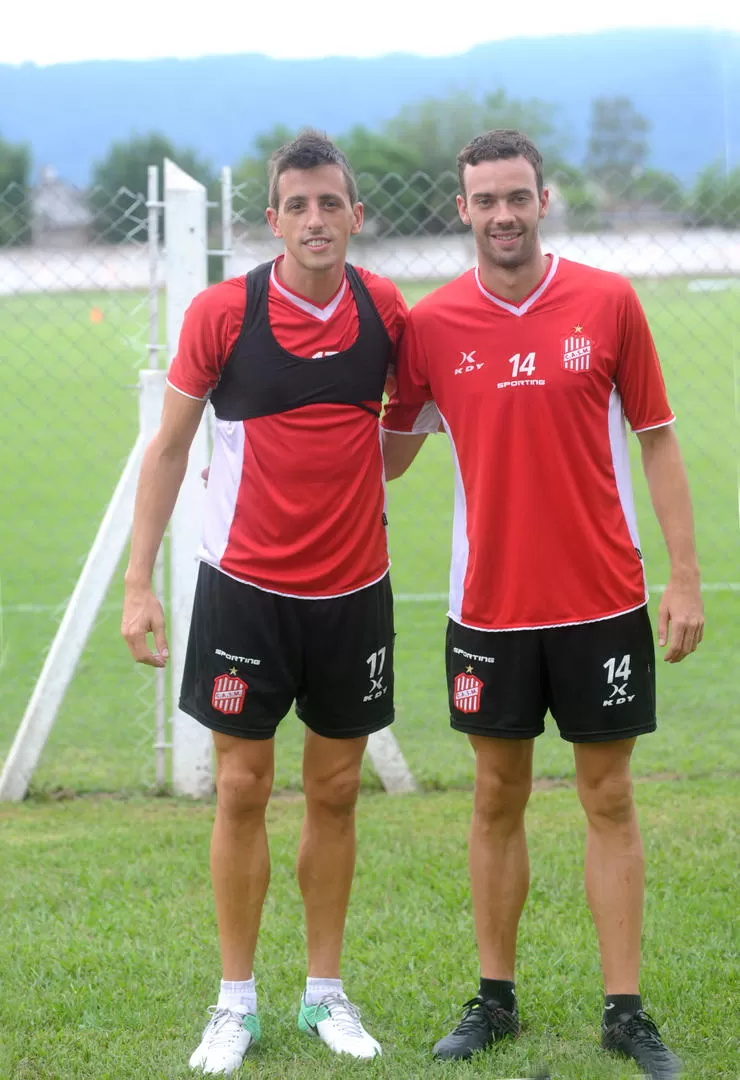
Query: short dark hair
(309, 150)
(494, 145)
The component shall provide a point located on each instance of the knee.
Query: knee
(607, 799)
(501, 798)
(334, 794)
(243, 792)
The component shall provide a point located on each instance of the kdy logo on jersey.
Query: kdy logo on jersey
(228, 694)
(468, 362)
(577, 351)
(466, 692)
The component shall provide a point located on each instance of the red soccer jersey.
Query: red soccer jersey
(533, 397)
(295, 500)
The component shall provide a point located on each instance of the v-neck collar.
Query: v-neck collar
(528, 301)
(321, 313)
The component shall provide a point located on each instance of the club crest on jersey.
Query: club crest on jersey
(576, 353)
(228, 694)
(466, 692)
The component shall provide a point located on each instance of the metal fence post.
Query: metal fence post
(154, 349)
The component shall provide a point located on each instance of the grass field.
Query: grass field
(69, 421)
(108, 955)
(107, 946)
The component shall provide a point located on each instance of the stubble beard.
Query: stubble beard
(513, 260)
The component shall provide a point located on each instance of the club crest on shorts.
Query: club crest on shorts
(228, 694)
(576, 353)
(466, 692)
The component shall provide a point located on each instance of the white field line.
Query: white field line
(401, 598)
(46, 609)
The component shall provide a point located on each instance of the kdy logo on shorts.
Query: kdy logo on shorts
(466, 692)
(228, 694)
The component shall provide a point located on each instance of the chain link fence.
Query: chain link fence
(76, 302)
(75, 316)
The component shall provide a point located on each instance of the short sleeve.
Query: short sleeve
(639, 377)
(411, 409)
(209, 332)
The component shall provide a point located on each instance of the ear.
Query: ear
(273, 220)
(358, 215)
(544, 202)
(462, 209)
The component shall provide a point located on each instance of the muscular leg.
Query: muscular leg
(615, 863)
(499, 864)
(326, 854)
(240, 861)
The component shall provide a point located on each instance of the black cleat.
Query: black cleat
(638, 1038)
(483, 1023)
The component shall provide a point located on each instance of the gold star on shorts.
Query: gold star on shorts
(578, 329)
(469, 669)
(232, 671)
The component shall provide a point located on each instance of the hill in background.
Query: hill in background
(685, 82)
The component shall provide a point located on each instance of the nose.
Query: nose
(314, 221)
(502, 213)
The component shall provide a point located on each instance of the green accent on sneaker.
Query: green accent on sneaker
(251, 1024)
(309, 1017)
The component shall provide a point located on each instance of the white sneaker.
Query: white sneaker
(225, 1041)
(336, 1021)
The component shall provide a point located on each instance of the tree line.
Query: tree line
(406, 170)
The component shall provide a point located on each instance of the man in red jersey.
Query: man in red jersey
(293, 600)
(531, 364)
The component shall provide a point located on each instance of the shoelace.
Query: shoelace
(496, 1018)
(643, 1030)
(220, 1031)
(345, 1015)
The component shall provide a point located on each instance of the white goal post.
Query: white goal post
(186, 274)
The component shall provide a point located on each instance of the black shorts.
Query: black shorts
(597, 679)
(252, 653)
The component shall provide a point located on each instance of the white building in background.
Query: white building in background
(557, 213)
(60, 217)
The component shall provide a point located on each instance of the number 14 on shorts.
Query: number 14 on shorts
(618, 672)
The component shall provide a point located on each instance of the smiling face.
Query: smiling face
(315, 218)
(503, 208)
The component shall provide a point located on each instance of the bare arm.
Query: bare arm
(162, 471)
(681, 607)
(399, 451)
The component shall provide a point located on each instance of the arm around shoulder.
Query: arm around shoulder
(399, 450)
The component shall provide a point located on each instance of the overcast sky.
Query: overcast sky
(50, 31)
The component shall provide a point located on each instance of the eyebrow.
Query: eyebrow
(303, 198)
(505, 194)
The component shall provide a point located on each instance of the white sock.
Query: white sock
(316, 989)
(240, 997)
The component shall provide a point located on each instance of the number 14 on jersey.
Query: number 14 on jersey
(521, 367)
